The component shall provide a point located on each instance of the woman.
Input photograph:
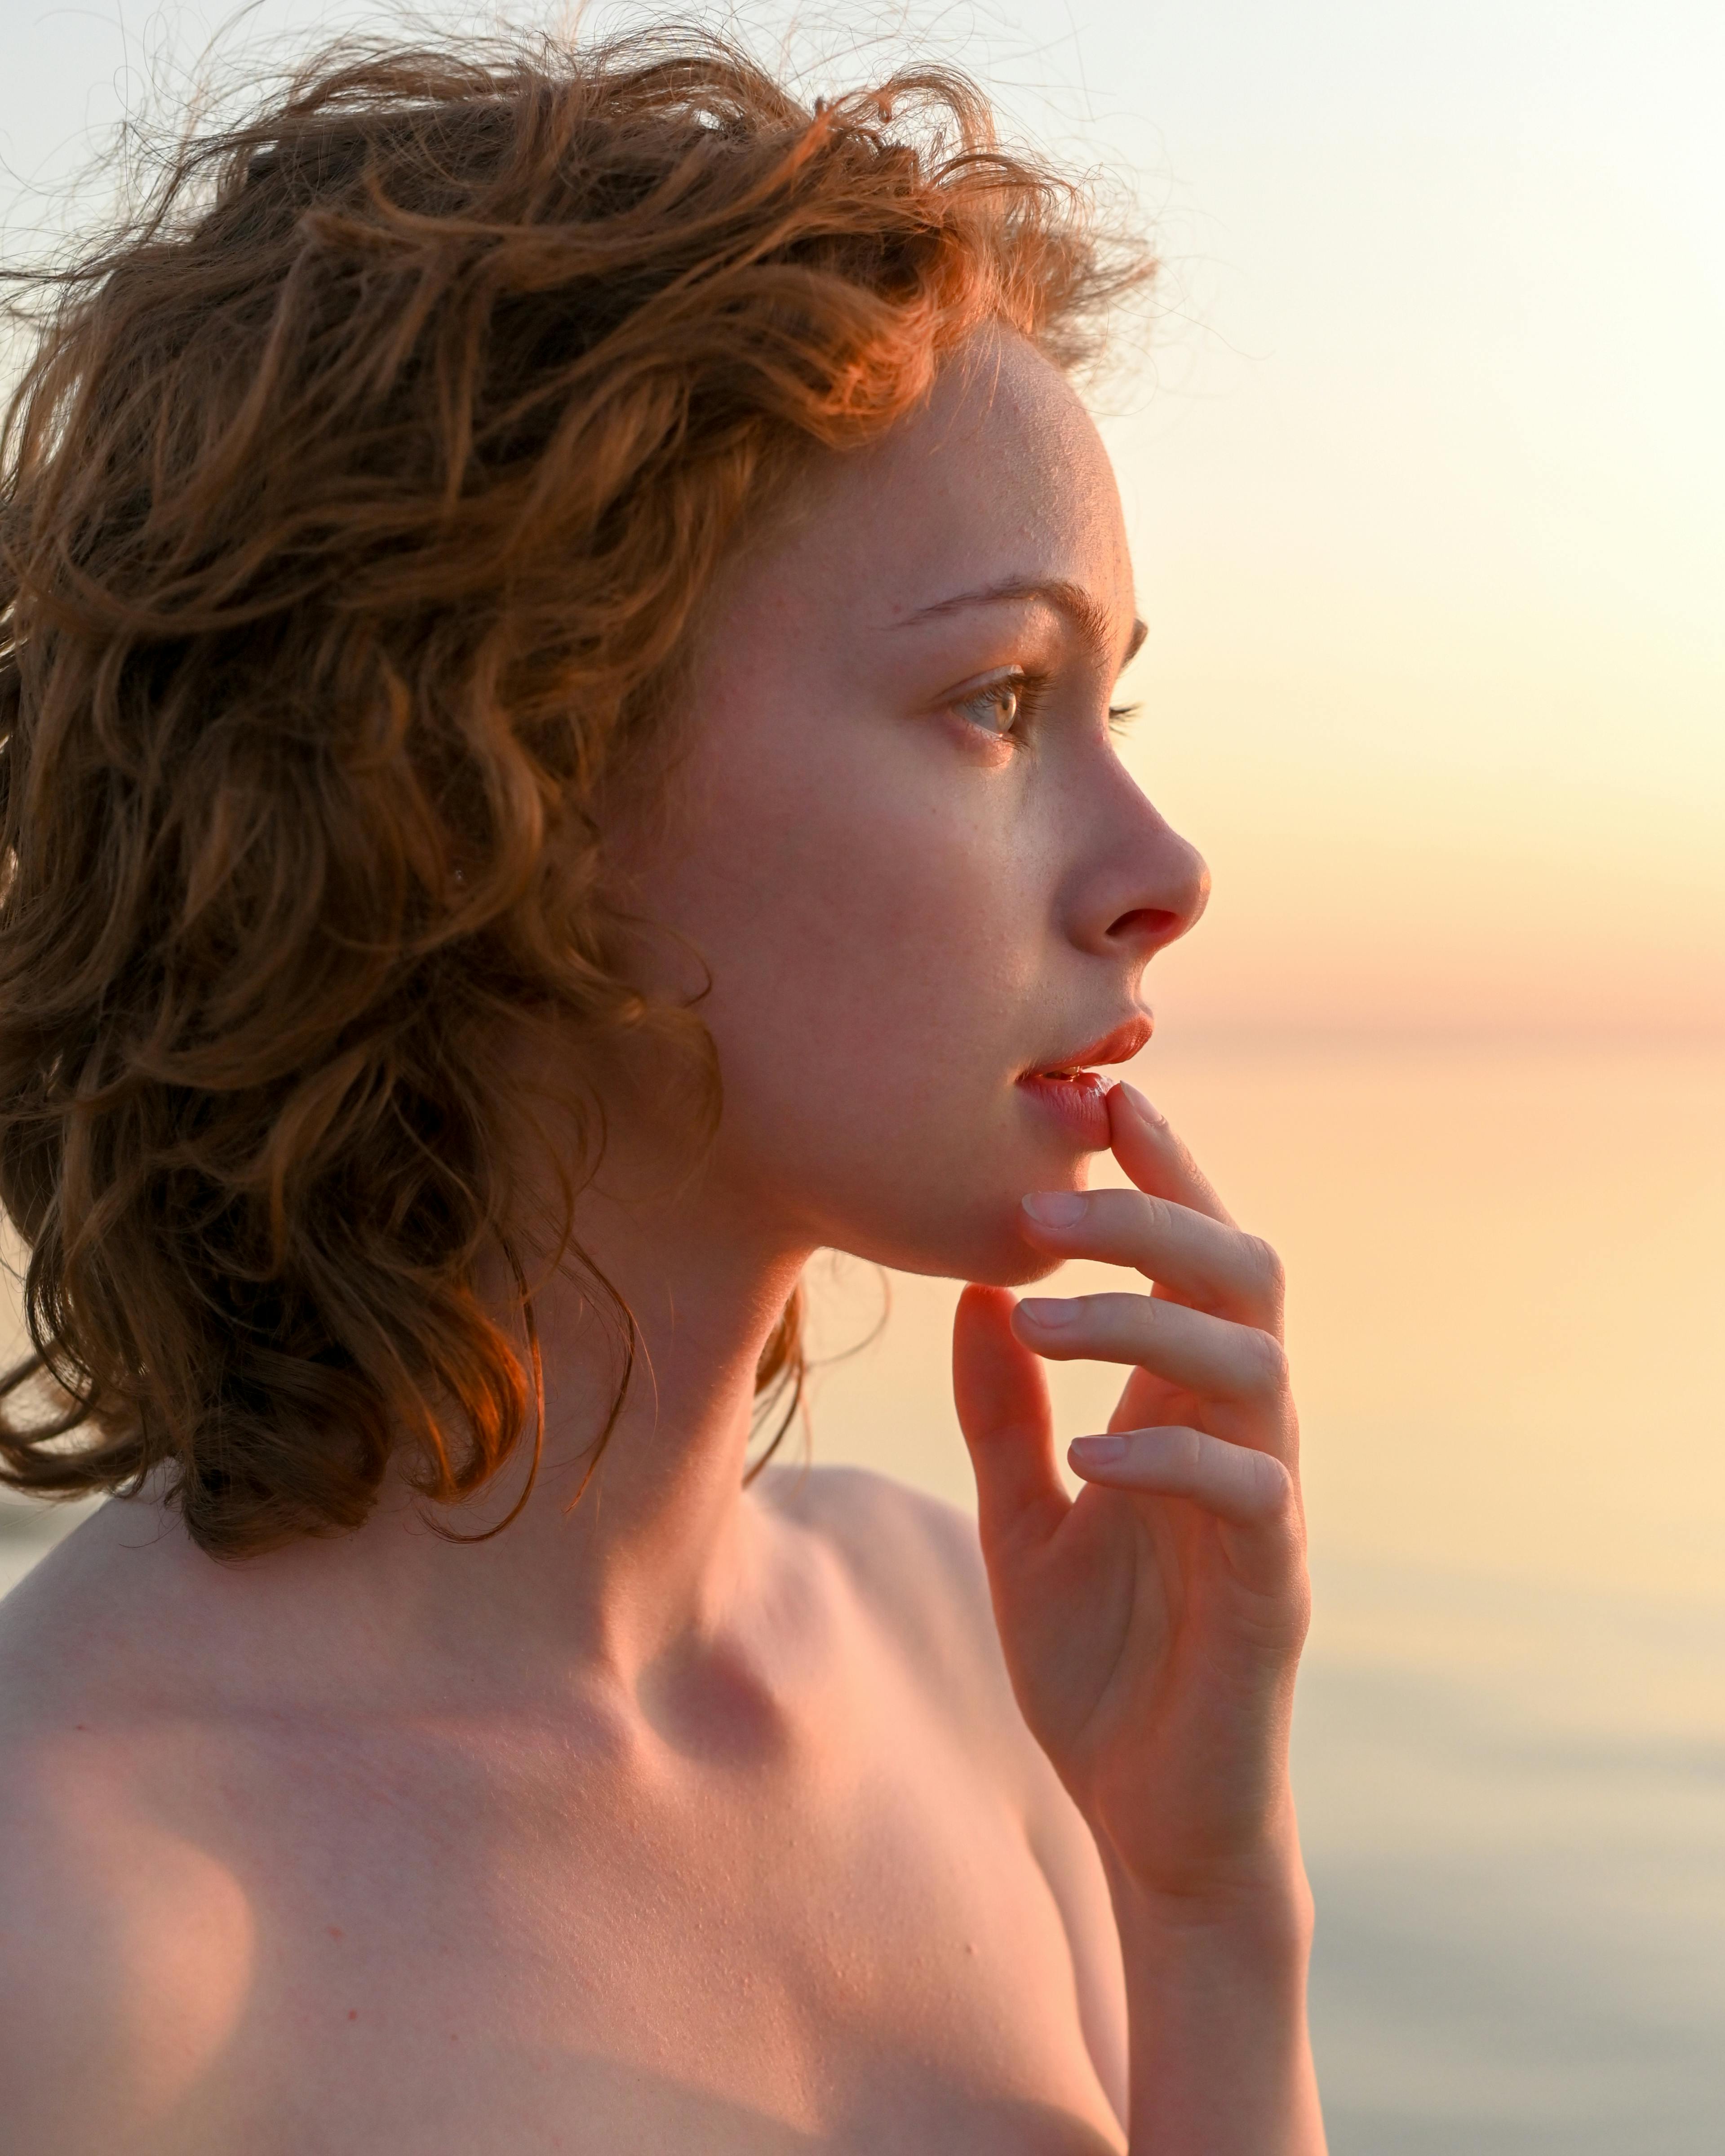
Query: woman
(560, 615)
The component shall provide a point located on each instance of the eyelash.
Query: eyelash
(1029, 690)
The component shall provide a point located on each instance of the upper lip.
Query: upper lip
(1119, 1046)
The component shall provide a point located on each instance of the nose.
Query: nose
(1144, 889)
(1184, 887)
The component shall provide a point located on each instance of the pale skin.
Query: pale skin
(798, 1818)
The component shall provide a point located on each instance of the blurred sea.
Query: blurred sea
(1506, 1270)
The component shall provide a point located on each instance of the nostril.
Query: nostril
(1146, 925)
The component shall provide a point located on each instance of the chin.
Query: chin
(970, 1238)
(1019, 1268)
(959, 1219)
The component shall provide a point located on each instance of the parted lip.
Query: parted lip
(1119, 1046)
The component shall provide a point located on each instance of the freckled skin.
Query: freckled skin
(691, 1818)
(918, 908)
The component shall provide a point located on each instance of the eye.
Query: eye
(1121, 716)
(999, 706)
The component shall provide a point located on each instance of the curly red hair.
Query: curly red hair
(357, 508)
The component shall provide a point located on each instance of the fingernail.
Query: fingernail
(1048, 1310)
(1147, 1109)
(1096, 1451)
(1056, 1208)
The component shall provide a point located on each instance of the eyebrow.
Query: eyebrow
(1090, 619)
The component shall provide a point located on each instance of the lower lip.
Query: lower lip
(1081, 1103)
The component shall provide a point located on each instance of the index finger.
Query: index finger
(1199, 1261)
(1154, 1159)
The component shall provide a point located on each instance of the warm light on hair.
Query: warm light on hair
(357, 509)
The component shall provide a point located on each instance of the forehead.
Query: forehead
(999, 479)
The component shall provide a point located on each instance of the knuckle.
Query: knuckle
(1269, 1276)
(1148, 1218)
(1267, 1363)
(1291, 1623)
(1273, 1485)
(1186, 1448)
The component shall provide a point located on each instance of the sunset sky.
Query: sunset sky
(1426, 474)
(1431, 509)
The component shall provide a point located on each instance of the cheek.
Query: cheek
(859, 929)
(874, 953)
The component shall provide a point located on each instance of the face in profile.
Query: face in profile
(900, 839)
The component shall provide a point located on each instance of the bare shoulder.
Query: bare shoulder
(119, 1938)
(916, 1564)
(75, 1983)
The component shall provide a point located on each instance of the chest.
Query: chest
(521, 1947)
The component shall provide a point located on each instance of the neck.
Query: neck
(654, 1544)
(661, 1555)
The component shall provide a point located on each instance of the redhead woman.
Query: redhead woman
(560, 613)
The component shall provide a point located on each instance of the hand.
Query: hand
(1152, 1628)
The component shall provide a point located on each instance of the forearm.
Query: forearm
(1220, 2059)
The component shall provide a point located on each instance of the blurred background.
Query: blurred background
(1424, 464)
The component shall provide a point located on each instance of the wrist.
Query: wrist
(1256, 1887)
(1220, 2059)
(1266, 1929)
(1257, 1937)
